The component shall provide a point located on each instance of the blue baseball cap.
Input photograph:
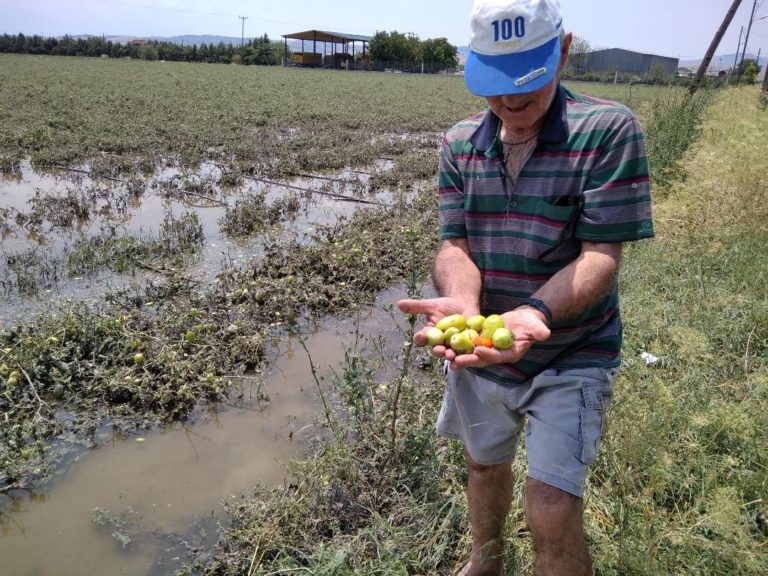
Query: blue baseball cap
(514, 46)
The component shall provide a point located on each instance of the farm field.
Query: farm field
(196, 218)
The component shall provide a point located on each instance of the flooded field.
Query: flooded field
(69, 234)
(124, 495)
(158, 323)
(140, 503)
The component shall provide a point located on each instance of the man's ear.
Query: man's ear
(565, 48)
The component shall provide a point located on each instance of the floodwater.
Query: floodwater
(142, 217)
(135, 504)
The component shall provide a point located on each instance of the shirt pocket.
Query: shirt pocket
(549, 227)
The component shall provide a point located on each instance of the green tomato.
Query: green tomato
(138, 358)
(476, 322)
(502, 339)
(447, 334)
(471, 334)
(490, 325)
(434, 336)
(452, 321)
(461, 344)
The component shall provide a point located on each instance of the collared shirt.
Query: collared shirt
(586, 180)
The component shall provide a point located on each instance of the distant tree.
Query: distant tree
(748, 70)
(262, 51)
(393, 47)
(578, 55)
(148, 52)
(439, 53)
(282, 52)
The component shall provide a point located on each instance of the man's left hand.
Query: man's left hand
(528, 326)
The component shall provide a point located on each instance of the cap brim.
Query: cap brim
(507, 74)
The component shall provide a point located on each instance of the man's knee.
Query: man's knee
(487, 470)
(550, 510)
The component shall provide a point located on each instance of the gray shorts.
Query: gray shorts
(565, 411)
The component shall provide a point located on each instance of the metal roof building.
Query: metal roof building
(336, 39)
(619, 60)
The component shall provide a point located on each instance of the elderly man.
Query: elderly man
(537, 193)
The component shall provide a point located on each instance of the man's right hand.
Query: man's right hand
(434, 309)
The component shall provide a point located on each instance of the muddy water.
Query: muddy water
(153, 495)
(142, 217)
(135, 505)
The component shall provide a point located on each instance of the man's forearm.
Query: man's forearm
(583, 282)
(454, 274)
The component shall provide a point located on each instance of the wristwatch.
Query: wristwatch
(540, 306)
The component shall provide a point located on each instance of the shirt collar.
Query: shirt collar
(555, 127)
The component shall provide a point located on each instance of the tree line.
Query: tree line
(395, 47)
(385, 48)
(260, 50)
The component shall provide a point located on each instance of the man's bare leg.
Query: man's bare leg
(555, 520)
(489, 495)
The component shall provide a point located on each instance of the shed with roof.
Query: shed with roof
(335, 49)
(627, 61)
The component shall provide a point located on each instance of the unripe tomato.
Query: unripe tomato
(471, 334)
(502, 339)
(461, 344)
(476, 322)
(434, 336)
(447, 334)
(452, 321)
(490, 325)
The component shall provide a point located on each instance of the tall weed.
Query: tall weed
(672, 126)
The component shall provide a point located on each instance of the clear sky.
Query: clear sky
(678, 28)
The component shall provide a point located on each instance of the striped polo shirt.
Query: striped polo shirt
(587, 179)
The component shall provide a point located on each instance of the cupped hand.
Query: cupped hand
(527, 326)
(434, 309)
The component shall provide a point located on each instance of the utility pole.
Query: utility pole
(242, 32)
(746, 40)
(730, 76)
(738, 47)
(713, 46)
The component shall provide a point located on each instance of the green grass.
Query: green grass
(264, 119)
